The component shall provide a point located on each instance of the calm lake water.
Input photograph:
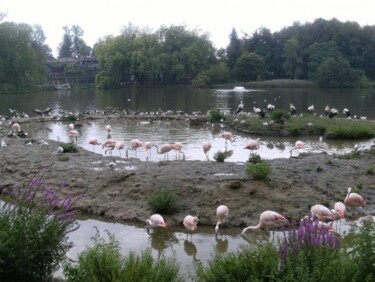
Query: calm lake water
(173, 242)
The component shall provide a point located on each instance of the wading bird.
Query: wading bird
(177, 147)
(148, 146)
(156, 220)
(227, 136)
(190, 222)
(240, 107)
(354, 200)
(268, 219)
(164, 149)
(134, 145)
(206, 148)
(322, 213)
(94, 142)
(74, 134)
(109, 144)
(253, 145)
(221, 215)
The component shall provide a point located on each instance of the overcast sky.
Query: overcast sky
(216, 17)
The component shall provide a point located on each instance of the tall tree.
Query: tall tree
(293, 59)
(234, 49)
(65, 47)
(250, 66)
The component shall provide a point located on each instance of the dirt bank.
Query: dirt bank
(122, 193)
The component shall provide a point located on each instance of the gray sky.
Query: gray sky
(216, 17)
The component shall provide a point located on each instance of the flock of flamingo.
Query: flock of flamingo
(271, 219)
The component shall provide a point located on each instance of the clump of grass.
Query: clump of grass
(255, 159)
(216, 116)
(259, 171)
(280, 116)
(350, 130)
(69, 148)
(220, 156)
(104, 262)
(72, 118)
(371, 169)
(319, 169)
(350, 156)
(163, 201)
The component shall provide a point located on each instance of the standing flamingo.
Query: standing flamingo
(119, 145)
(227, 136)
(74, 134)
(297, 146)
(206, 148)
(71, 126)
(177, 147)
(15, 127)
(340, 208)
(109, 130)
(221, 214)
(164, 149)
(93, 141)
(156, 220)
(322, 212)
(354, 200)
(190, 222)
(148, 145)
(134, 145)
(109, 144)
(267, 219)
(252, 146)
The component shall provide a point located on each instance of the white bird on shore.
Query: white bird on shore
(3, 144)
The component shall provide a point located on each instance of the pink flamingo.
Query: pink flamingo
(206, 148)
(267, 219)
(190, 222)
(119, 145)
(109, 130)
(252, 146)
(94, 142)
(134, 145)
(319, 225)
(74, 134)
(227, 136)
(156, 220)
(354, 200)
(177, 147)
(15, 127)
(322, 212)
(71, 126)
(110, 145)
(340, 208)
(164, 149)
(148, 146)
(221, 214)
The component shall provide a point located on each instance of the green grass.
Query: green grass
(163, 201)
(259, 171)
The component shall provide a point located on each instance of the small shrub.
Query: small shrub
(319, 169)
(163, 201)
(259, 171)
(69, 148)
(216, 116)
(71, 118)
(104, 262)
(35, 221)
(371, 169)
(280, 115)
(255, 159)
(220, 156)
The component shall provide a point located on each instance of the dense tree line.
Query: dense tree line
(329, 52)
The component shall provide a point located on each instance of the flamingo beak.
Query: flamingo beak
(165, 225)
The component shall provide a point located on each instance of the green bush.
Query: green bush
(163, 201)
(69, 148)
(280, 115)
(216, 116)
(104, 262)
(255, 159)
(259, 171)
(220, 156)
(34, 223)
(350, 130)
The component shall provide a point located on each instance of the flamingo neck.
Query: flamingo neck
(252, 227)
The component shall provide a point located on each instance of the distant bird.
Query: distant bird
(319, 225)
(354, 200)
(148, 146)
(190, 222)
(112, 165)
(109, 144)
(206, 148)
(164, 149)
(270, 108)
(268, 219)
(177, 147)
(134, 145)
(292, 109)
(71, 126)
(326, 110)
(74, 134)
(42, 112)
(340, 208)
(109, 130)
(311, 109)
(156, 220)
(221, 215)
(94, 142)
(332, 113)
(119, 145)
(297, 146)
(2, 144)
(260, 112)
(59, 150)
(346, 112)
(227, 136)
(322, 213)
(240, 107)
(253, 145)
(15, 127)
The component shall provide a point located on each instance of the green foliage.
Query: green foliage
(201, 80)
(220, 156)
(250, 66)
(280, 115)
(216, 116)
(69, 147)
(34, 223)
(255, 159)
(350, 130)
(218, 73)
(257, 264)
(259, 171)
(163, 201)
(371, 169)
(104, 262)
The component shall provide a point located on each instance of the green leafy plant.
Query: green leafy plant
(69, 148)
(280, 115)
(216, 116)
(34, 223)
(220, 156)
(259, 171)
(163, 201)
(255, 159)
